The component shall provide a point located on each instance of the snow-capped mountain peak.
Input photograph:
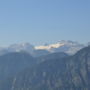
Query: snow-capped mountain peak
(69, 47)
(21, 47)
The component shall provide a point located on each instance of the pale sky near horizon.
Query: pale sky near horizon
(44, 21)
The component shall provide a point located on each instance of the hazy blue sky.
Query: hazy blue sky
(44, 21)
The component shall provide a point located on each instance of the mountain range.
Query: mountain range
(56, 71)
(68, 47)
(64, 65)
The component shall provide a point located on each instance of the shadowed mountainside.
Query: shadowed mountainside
(69, 73)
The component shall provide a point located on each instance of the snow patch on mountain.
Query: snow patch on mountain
(57, 45)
